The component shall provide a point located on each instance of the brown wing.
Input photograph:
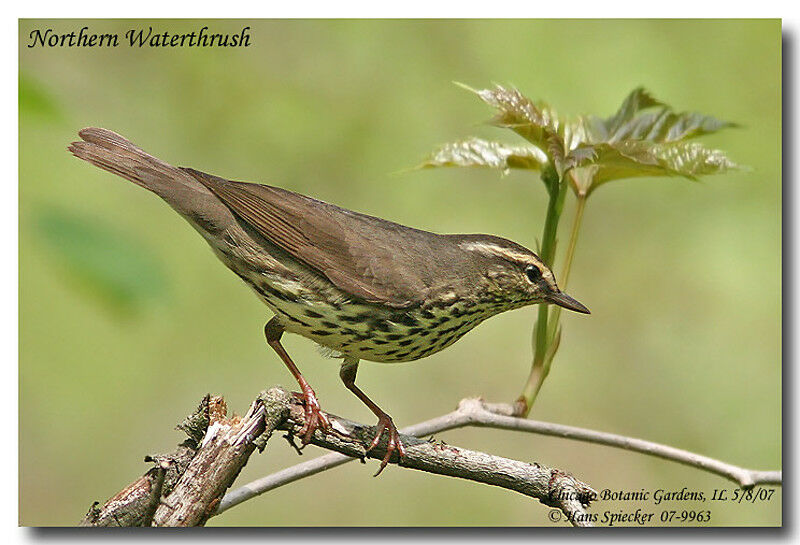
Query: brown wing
(367, 257)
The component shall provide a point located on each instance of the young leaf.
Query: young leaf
(662, 126)
(633, 159)
(689, 125)
(634, 142)
(690, 159)
(534, 122)
(613, 163)
(639, 99)
(482, 153)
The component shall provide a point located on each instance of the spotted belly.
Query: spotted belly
(369, 332)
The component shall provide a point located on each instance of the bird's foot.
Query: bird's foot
(393, 443)
(315, 419)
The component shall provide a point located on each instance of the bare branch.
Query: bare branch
(475, 412)
(552, 487)
(329, 461)
(219, 446)
(498, 416)
(223, 452)
(136, 504)
(193, 479)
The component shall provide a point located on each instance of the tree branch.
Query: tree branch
(223, 452)
(186, 487)
(498, 416)
(329, 461)
(136, 504)
(474, 412)
(550, 486)
(218, 454)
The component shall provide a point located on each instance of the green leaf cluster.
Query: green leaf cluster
(644, 138)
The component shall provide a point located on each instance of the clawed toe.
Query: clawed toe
(393, 442)
(315, 419)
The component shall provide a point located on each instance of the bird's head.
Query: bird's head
(515, 274)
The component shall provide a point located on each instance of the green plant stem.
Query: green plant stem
(558, 191)
(563, 279)
(547, 339)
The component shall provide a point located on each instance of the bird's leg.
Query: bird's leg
(393, 443)
(314, 417)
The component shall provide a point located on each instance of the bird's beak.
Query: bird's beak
(563, 300)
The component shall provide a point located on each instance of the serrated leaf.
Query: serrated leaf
(476, 152)
(614, 163)
(689, 125)
(535, 122)
(639, 99)
(634, 159)
(691, 159)
(634, 142)
(663, 126)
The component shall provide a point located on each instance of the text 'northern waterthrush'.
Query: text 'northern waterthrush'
(360, 286)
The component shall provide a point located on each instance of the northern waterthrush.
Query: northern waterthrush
(360, 286)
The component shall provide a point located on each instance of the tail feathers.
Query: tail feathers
(112, 152)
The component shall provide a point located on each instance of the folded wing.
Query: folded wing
(367, 257)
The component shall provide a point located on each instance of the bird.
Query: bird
(361, 287)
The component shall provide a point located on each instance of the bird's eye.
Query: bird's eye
(533, 274)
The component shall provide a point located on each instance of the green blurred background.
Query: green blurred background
(127, 319)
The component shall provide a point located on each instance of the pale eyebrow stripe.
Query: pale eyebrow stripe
(494, 249)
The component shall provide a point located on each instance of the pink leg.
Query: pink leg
(385, 423)
(315, 418)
